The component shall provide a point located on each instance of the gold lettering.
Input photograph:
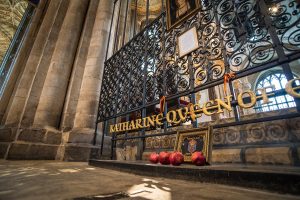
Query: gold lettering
(125, 126)
(264, 95)
(173, 120)
(221, 104)
(252, 99)
(194, 112)
(138, 123)
(147, 121)
(120, 127)
(132, 126)
(208, 106)
(292, 90)
(158, 119)
(112, 128)
(117, 128)
(181, 116)
(197, 109)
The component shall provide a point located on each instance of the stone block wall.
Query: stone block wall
(29, 144)
(267, 143)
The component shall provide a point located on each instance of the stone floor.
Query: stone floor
(66, 180)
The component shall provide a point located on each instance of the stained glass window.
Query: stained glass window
(278, 81)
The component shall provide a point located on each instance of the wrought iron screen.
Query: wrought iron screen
(241, 36)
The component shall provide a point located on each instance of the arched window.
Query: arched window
(278, 80)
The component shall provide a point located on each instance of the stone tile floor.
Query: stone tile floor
(39, 180)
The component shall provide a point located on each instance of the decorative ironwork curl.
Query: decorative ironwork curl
(232, 36)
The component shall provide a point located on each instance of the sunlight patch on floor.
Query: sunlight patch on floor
(55, 174)
(6, 192)
(69, 170)
(7, 174)
(90, 168)
(150, 189)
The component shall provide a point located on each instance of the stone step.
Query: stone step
(277, 179)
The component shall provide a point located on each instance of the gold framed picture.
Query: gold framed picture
(188, 142)
(187, 42)
(179, 10)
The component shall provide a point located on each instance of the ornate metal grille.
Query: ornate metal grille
(241, 36)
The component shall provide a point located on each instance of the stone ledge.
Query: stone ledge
(226, 156)
(275, 179)
(146, 155)
(269, 155)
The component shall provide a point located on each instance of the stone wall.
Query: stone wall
(273, 142)
(49, 107)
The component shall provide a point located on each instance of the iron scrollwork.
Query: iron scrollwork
(285, 16)
(233, 35)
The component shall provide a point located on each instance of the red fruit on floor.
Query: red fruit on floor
(154, 158)
(176, 158)
(198, 158)
(164, 158)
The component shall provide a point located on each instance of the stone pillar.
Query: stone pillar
(52, 98)
(91, 84)
(37, 104)
(67, 120)
(86, 111)
(8, 134)
(22, 56)
(122, 24)
(36, 65)
(113, 30)
(25, 143)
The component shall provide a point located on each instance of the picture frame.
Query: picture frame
(175, 15)
(187, 42)
(190, 141)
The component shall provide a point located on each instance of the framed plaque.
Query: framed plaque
(188, 142)
(187, 42)
(180, 10)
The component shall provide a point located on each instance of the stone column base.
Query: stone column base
(31, 151)
(77, 145)
(77, 152)
(7, 136)
(29, 144)
(48, 144)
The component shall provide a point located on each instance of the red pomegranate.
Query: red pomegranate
(198, 158)
(153, 158)
(164, 158)
(176, 158)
